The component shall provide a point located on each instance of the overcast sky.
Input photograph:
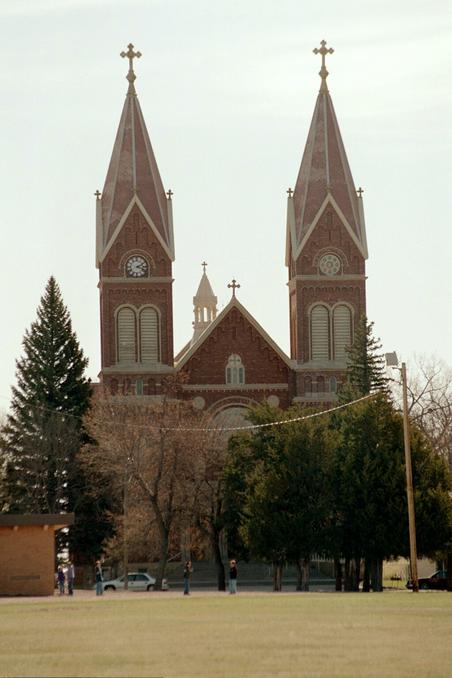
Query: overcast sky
(227, 89)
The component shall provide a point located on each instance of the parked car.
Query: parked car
(137, 581)
(437, 580)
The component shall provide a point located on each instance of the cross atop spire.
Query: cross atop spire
(204, 264)
(360, 192)
(131, 77)
(234, 286)
(323, 50)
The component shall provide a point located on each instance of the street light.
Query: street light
(392, 361)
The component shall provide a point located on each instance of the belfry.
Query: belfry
(229, 361)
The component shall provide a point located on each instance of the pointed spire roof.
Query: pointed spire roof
(324, 172)
(133, 176)
(204, 306)
(204, 296)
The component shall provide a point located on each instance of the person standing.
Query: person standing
(233, 577)
(99, 579)
(60, 578)
(70, 576)
(187, 572)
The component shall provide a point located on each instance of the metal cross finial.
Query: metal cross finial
(131, 77)
(204, 264)
(169, 193)
(234, 286)
(323, 50)
(98, 194)
(360, 192)
(289, 192)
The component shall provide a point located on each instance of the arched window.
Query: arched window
(127, 352)
(308, 385)
(342, 330)
(235, 371)
(149, 335)
(333, 384)
(320, 384)
(320, 333)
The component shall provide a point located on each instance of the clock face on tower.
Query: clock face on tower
(330, 264)
(136, 267)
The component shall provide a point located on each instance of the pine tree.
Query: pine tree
(44, 429)
(365, 364)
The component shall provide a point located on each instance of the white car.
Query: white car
(137, 581)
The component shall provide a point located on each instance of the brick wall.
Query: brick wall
(27, 561)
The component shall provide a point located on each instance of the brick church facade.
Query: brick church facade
(230, 362)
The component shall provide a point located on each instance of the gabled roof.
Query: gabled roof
(324, 172)
(133, 171)
(234, 303)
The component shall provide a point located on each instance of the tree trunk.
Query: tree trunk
(163, 559)
(347, 575)
(277, 576)
(306, 565)
(366, 578)
(221, 575)
(376, 574)
(338, 574)
(299, 575)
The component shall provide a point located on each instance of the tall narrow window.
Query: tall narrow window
(126, 336)
(342, 331)
(149, 335)
(235, 371)
(320, 333)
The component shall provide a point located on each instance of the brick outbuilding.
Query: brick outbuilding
(27, 553)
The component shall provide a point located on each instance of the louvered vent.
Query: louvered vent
(126, 336)
(342, 327)
(320, 333)
(149, 335)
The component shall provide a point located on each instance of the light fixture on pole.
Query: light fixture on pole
(392, 361)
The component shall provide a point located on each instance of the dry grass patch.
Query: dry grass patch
(389, 634)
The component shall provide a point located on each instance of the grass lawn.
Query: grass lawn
(251, 634)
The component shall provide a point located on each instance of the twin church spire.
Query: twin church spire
(133, 178)
(133, 182)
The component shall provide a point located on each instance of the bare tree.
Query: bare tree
(152, 446)
(430, 402)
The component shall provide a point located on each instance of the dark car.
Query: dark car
(437, 580)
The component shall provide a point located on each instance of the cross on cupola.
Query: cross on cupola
(131, 77)
(323, 50)
(234, 286)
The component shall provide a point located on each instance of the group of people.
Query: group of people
(188, 569)
(66, 576)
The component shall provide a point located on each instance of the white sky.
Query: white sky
(227, 89)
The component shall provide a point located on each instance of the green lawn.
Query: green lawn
(315, 634)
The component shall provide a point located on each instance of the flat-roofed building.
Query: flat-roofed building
(27, 552)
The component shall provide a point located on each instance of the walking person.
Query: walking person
(70, 576)
(61, 578)
(233, 577)
(187, 572)
(99, 579)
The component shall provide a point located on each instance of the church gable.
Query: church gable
(330, 236)
(136, 238)
(235, 352)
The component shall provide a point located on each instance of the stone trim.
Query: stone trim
(235, 387)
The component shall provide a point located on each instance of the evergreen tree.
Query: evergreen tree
(365, 364)
(43, 431)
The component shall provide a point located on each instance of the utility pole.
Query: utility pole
(409, 484)
(125, 552)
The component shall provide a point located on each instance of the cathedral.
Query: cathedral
(229, 363)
